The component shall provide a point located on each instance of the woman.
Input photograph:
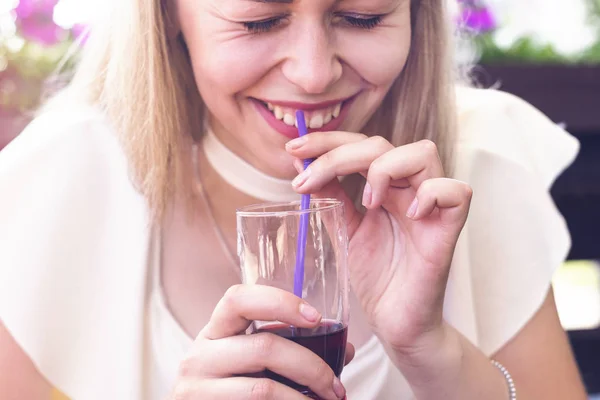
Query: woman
(118, 233)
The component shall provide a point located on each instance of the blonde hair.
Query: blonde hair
(138, 71)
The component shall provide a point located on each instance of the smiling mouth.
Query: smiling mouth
(315, 119)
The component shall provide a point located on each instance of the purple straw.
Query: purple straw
(303, 228)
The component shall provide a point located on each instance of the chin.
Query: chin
(283, 168)
(270, 158)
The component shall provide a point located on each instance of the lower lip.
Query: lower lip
(291, 131)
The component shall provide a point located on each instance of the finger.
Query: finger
(399, 183)
(347, 159)
(450, 196)
(316, 144)
(249, 354)
(242, 304)
(239, 388)
(350, 352)
(335, 190)
(415, 163)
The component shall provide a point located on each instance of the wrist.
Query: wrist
(433, 362)
(446, 365)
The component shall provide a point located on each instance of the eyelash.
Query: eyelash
(362, 22)
(263, 26)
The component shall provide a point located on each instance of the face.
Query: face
(258, 61)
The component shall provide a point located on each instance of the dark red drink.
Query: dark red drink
(328, 341)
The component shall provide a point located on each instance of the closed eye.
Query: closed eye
(354, 20)
(363, 21)
(264, 25)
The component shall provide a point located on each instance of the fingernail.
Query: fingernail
(367, 195)
(412, 210)
(296, 143)
(309, 312)
(301, 179)
(338, 388)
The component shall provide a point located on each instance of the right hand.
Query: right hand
(223, 358)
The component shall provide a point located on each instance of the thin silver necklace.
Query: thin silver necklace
(232, 257)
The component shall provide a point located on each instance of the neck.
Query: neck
(230, 183)
(244, 177)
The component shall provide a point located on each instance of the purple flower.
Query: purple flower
(481, 20)
(477, 16)
(35, 21)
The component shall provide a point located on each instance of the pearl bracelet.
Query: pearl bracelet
(509, 380)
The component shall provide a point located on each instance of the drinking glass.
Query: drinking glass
(267, 247)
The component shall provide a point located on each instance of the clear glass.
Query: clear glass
(267, 246)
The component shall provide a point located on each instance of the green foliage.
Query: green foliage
(26, 68)
(528, 50)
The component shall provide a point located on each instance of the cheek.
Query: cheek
(378, 60)
(224, 68)
(379, 56)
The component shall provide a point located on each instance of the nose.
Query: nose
(312, 63)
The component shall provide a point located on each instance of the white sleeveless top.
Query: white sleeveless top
(76, 255)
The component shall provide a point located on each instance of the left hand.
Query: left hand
(402, 247)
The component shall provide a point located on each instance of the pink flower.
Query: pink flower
(80, 32)
(27, 8)
(35, 21)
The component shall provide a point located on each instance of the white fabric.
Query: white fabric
(75, 250)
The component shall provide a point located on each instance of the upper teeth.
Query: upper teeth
(278, 113)
(289, 119)
(314, 119)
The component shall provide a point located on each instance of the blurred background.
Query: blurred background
(545, 51)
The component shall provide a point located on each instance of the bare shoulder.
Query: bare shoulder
(19, 378)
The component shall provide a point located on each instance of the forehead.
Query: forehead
(285, 1)
(271, 1)
(374, 3)
(236, 8)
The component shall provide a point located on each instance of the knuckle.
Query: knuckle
(230, 298)
(380, 142)
(326, 159)
(362, 136)
(377, 167)
(429, 147)
(188, 367)
(233, 291)
(427, 186)
(262, 345)
(468, 191)
(182, 392)
(262, 389)
(323, 373)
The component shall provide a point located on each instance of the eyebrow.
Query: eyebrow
(272, 1)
